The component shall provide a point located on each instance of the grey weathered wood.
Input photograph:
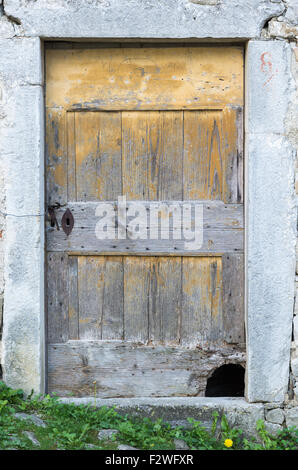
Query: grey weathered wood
(112, 309)
(240, 155)
(91, 296)
(152, 150)
(154, 292)
(200, 300)
(100, 281)
(165, 300)
(216, 214)
(56, 156)
(131, 370)
(136, 298)
(232, 132)
(152, 299)
(98, 156)
(71, 157)
(73, 302)
(215, 242)
(57, 299)
(233, 299)
(222, 231)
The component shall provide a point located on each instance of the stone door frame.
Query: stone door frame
(269, 182)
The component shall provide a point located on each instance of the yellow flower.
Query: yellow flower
(228, 442)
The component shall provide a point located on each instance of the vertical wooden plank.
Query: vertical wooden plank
(113, 322)
(136, 298)
(201, 305)
(233, 298)
(165, 300)
(71, 157)
(57, 289)
(91, 294)
(232, 136)
(152, 144)
(240, 155)
(56, 156)
(73, 302)
(100, 286)
(98, 155)
(203, 159)
(216, 327)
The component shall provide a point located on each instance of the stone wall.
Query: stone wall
(22, 23)
(284, 27)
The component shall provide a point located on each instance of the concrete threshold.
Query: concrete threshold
(177, 410)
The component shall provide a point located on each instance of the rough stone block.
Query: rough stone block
(154, 18)
(295, 323)
(275, 416)
(177, 410)
(271, 240)
(269, 84)
(21, 149)
(273, 429)
(21, 61)
(292, 417)
(294, 363)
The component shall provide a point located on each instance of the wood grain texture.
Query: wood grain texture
(56, 157)
(98, 156)
(233, 299)
(144, 78)
(201, 301)
(222, 232)
(152, 155)
(142, 313)
(100, 288)
(136, 298)
(73, 298)
(152, 299)
(125, 369)
(57, 298)
(203, 155)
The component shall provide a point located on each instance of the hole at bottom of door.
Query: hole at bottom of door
(226, 381)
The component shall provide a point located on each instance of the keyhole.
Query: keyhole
(67, 222)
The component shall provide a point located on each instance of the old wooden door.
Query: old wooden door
(143, 316)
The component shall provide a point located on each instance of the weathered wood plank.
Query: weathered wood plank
(71, 157)
(151, 155)
(165, 300)
(232, 152)
(203, 155)
(82, 242)
(167, 127)
(233, 299)
(73, 302)
(100, 285)
(145, 78)
(131, 370)
(152, 299)
(201, 301)
(113, 308)
(91, 296)
(98, 156)
(57, 298)
(56, 157)
(222, 224)
(136, 298)
(216, 214)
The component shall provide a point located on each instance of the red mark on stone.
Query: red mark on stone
(267, 68)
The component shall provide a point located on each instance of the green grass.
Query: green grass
(71, 427)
